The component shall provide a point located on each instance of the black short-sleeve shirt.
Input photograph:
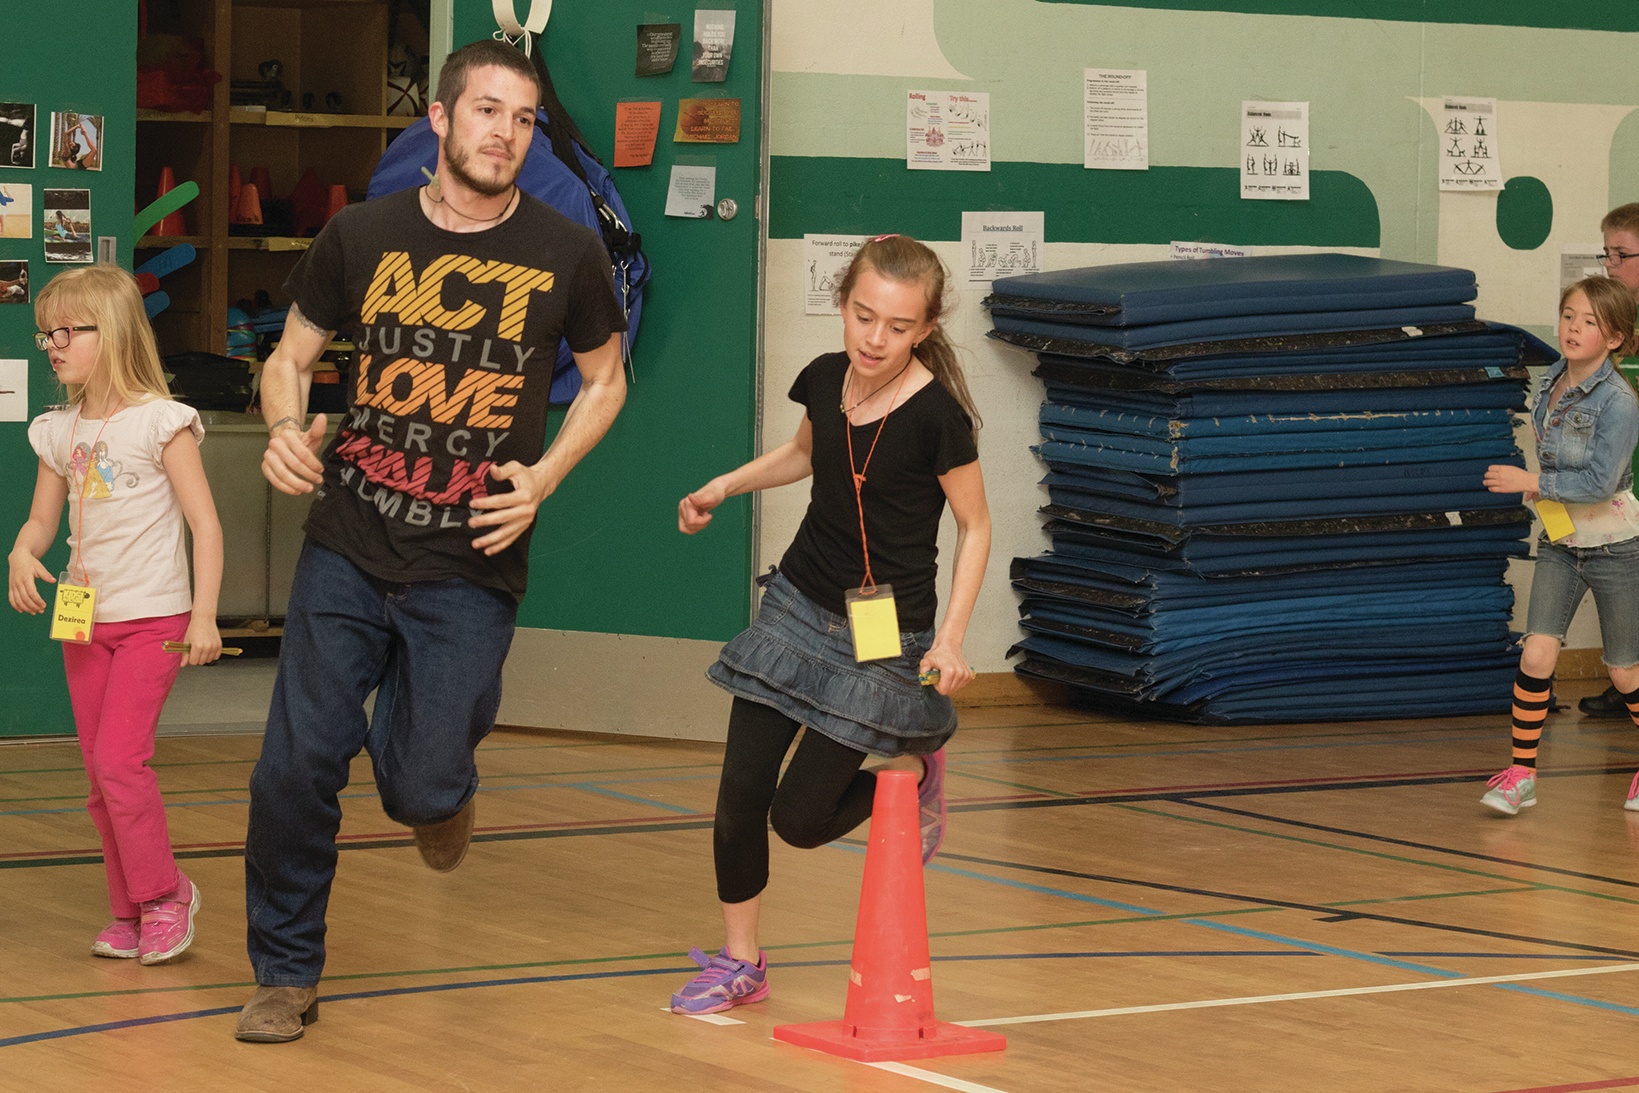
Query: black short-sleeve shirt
(457, 334)
(929, 435)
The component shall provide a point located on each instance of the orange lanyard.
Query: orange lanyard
(859, 476)
(79, 523)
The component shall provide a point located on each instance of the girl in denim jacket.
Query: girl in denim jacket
(1586, 421)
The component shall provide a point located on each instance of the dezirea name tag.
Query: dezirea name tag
(874, 621)
(71, 612)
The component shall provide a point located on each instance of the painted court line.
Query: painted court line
(935, 1079)
(1344, 992)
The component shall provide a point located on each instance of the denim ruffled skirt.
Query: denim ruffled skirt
(799, 658)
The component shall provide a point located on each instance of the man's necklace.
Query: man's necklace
(842, 403)
(435, 194)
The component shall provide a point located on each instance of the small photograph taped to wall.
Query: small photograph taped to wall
(76, 141)
(17, 134)
(66, 215)
(16, 211)
(14, 283)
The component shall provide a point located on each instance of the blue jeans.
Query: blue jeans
(432, 651)
(1565, 574)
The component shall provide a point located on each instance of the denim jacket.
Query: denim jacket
(1585, 447)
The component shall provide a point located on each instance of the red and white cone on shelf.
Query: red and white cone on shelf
(172, 224)
(889, 1013)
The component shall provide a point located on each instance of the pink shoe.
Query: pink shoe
(930, 800)
(119, 939)
(167, 923)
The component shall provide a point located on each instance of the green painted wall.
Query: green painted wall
(1594, 15)
(607, 555)
(819, 194)
(77, 55)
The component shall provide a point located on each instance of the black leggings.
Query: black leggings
(823, 796)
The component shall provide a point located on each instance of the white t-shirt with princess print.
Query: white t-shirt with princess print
(124, 520)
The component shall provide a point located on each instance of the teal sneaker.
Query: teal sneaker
(1512, 790)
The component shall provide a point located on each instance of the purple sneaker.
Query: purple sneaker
(930, 800)
(119, 939)
(723, 983)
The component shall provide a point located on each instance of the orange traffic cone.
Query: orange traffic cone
(335, 202)
(235, 184)
(249, 209)
(263, 182)
(307, 201)
(172, 224)
(889, 1014)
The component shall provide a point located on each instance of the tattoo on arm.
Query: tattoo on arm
(296, 313)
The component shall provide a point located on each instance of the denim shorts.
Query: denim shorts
(1564, 574)
(799, 658)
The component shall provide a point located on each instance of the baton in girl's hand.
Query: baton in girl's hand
(184, 647)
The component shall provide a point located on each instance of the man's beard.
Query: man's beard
(457, 157)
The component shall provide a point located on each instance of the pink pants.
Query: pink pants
(118, 685)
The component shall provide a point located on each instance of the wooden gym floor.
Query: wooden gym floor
(1137, 906)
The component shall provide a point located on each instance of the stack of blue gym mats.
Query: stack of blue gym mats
(1264, 478)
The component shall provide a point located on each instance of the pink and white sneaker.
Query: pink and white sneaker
(119, 939)
(167, 923)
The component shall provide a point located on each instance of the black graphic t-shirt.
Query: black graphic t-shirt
(457, 333)
(927, 436)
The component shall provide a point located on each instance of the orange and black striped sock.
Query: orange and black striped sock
(1530, 711)
(1631, 700)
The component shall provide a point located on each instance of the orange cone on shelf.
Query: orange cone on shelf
(263, 182)
(889, 1013)
(173, 224)
(235, 184)
(307, 200)
(335, 201)
(249, 208)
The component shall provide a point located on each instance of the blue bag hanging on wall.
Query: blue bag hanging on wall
(586, 195)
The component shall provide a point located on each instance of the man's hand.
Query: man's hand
(291, 461)
(511, 513)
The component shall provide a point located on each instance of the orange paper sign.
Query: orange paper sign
(637, 124)
(708, 121)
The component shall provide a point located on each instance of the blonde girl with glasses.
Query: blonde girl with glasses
(125, 459)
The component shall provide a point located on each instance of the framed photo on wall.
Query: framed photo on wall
(66, 215)
(76, 141)
(17, 137)
(14, 282)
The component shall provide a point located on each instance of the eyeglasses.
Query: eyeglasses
(1615, 257)
(58, 337)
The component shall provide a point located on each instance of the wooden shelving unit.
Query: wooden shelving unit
(323, 46)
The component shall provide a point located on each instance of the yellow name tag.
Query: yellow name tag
(874, 620)
(1556, 521)
(72, 611)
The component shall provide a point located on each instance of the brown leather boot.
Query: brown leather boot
(277, 1015)
(444, 844)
